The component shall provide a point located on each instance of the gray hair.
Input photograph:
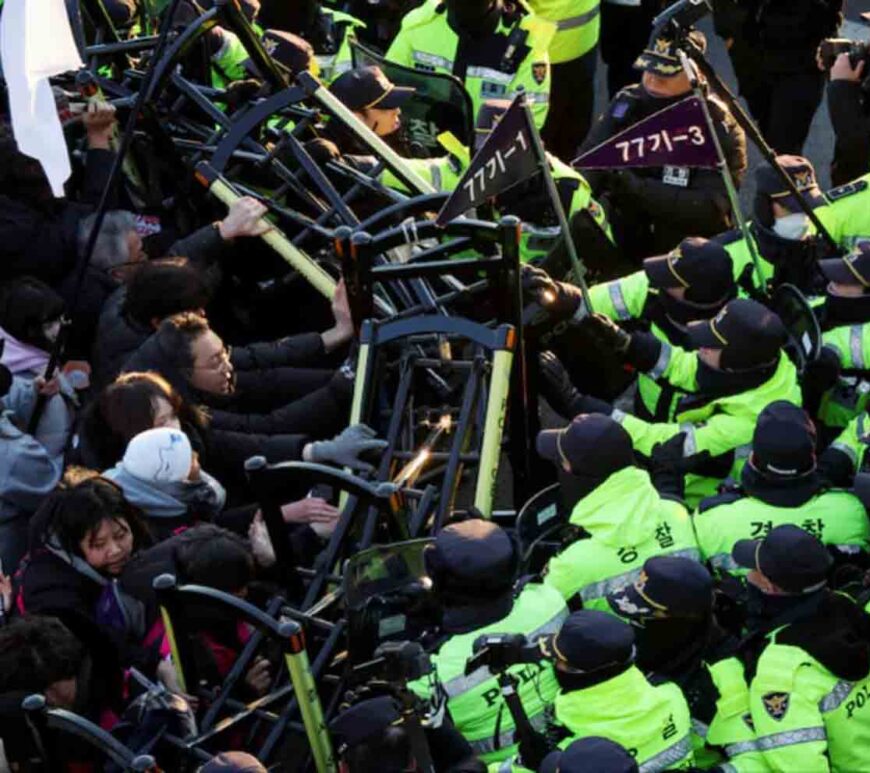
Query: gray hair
(111, 248)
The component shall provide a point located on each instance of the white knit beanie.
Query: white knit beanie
(161, 455)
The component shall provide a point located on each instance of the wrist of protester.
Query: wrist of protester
(99, 140)
(337, 336)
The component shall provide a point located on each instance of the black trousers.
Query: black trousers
(782, 104)
(572, 98)
(624, 34)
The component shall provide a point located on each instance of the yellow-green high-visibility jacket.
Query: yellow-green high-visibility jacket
(835, 517)
(721, 425)
(853, 440)
(651, 723)
(729, 740)
(443, 172)
(628, 522)
(333, 65)
(427, 42)
(846, 216)
(578, 24)
(849, 396)
(475, 701)
(807, 719)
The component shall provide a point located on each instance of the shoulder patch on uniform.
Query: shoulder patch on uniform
(842, 191)
(776, 704)
(620, 108)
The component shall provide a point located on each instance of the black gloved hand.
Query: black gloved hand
(607, 333)
(822, 373)
(322, 151)
(558, 390)
(560, 299)
(668, 466)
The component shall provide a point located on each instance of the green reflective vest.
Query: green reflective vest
(651, 723)
(806, 719)
(474, 701)
(849, 396)
(628, 522)
(577, 23)
(835, 517)
(724, 425)
(443, 173)
(853, 440)
(846, 216)
(333, 65)
(427, 43)
(729, 740)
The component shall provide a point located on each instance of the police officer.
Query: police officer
(773, 49)
(573, 57)
(623, 518)
(809, 693)
(849, 108)
(836, 388)
(670, 606)
(591, 753)
(473, 567)
(494, 47)
(603, 693)
(377, 102)
(739, 368)
(780, 484)
(328, 31)
(653, 208)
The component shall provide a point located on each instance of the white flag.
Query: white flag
(36, 42)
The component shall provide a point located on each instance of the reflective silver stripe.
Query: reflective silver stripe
(670, 756)
(856, 347)
(743, 452)
(462, 683)
(690, 444)
(578, 21)
(436, 177)
(506, 766)
(534, 96)
(741, 747)
(790, 738)
(431, 60)
(699, 728)
(597, 590)
(505, 739)
(488, 74)
(618, 300)
(662, 362)
(836, 696)
(846, 449)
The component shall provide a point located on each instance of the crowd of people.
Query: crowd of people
(703, 603)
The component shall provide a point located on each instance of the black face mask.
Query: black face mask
(684, 311)
(765, 611)
(569, 682)
(717, 383)
(670, 646)
(473, 17)
(847, 310)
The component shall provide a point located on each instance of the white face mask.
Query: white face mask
(794, 227)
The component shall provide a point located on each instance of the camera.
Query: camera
(680, 16)
(500, 650)
(396, 662)
(831, 48)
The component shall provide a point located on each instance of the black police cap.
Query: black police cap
(290, 50)
(702, 267)
(475, 555)
(667, 587)
(367, 87)
(590, 641)
(660, 55)
(784, 441)
(788, 556)
(769, 183)
(590, 754)
(364, 721)
(748, 334)
(233, 762)
(851, 269)
(593, 445)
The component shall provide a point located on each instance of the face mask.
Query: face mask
(794, 227)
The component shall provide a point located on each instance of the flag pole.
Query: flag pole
(692, 72)
(556, 202)
(102, 207)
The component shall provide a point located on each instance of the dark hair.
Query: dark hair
(161, 288)
(125, 408)
(389, 753)
(69, 514)
(212, 556)
(36, 652)
(176, 335)
(26, 304)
